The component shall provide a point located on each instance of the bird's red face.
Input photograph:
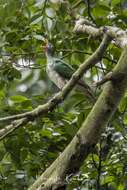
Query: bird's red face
(47, 47)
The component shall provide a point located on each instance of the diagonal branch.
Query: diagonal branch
(59, 97)
(12, 127)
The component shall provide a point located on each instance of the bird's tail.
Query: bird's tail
(87, 90)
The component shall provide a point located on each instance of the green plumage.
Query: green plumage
(60, 72)
(63, 69)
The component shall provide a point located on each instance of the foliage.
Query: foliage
(27, 152)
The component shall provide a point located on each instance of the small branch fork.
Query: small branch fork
(118, 35)
(119, 38)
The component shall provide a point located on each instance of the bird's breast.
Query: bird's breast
(55, 77)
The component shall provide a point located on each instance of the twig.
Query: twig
(108, 77)
(77, 4)
(70, 51)
(2, 54)
(89, 11)
(99, 168)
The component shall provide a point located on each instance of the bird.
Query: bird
(60, 72)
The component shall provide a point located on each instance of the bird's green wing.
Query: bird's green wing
(63, 69)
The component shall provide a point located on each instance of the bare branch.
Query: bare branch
(84, 26)
(118, 35)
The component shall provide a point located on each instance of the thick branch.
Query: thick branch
(118, 35)
(69, 162)
(59, 97)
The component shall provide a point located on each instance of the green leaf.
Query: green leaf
(115, 2)
(108, 179)
(18, 98)
(46, 133)
(125, 119)
(16, 74)
(121, 186)
(122, 105)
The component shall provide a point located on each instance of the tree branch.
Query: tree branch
(118, 35)
(13, 126)
(59, 97)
